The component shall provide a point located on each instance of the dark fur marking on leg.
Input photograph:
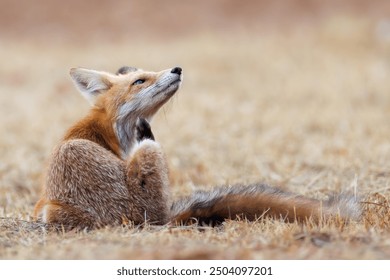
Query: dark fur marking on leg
(143, 130)
(143, 183)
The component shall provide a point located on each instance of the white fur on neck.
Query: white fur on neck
(144, 104)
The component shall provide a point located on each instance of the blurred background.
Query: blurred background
(96, 21)
(292, 92)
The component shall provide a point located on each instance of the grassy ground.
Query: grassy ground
(305, 109)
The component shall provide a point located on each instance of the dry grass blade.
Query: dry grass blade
(299, 100)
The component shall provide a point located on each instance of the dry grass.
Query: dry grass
(306, 110)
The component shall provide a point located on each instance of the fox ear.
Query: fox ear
(125, 69)
(90, 83)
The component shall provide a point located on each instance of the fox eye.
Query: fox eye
(138, 82)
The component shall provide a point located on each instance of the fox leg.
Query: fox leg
(56, 212)
(38, 209)
(143, 130)
(147, 175)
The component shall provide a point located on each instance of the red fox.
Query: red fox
(109, 170)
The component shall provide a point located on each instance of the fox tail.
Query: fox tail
(255, 201)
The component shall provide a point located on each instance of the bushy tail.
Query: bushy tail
(257, 200)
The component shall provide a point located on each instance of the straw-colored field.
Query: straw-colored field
(305, 107)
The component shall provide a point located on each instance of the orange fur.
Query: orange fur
(108, 169)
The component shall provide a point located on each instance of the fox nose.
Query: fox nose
(176, 70)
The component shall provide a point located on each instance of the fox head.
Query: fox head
(129, 94)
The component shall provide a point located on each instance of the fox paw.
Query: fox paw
(143, 130)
